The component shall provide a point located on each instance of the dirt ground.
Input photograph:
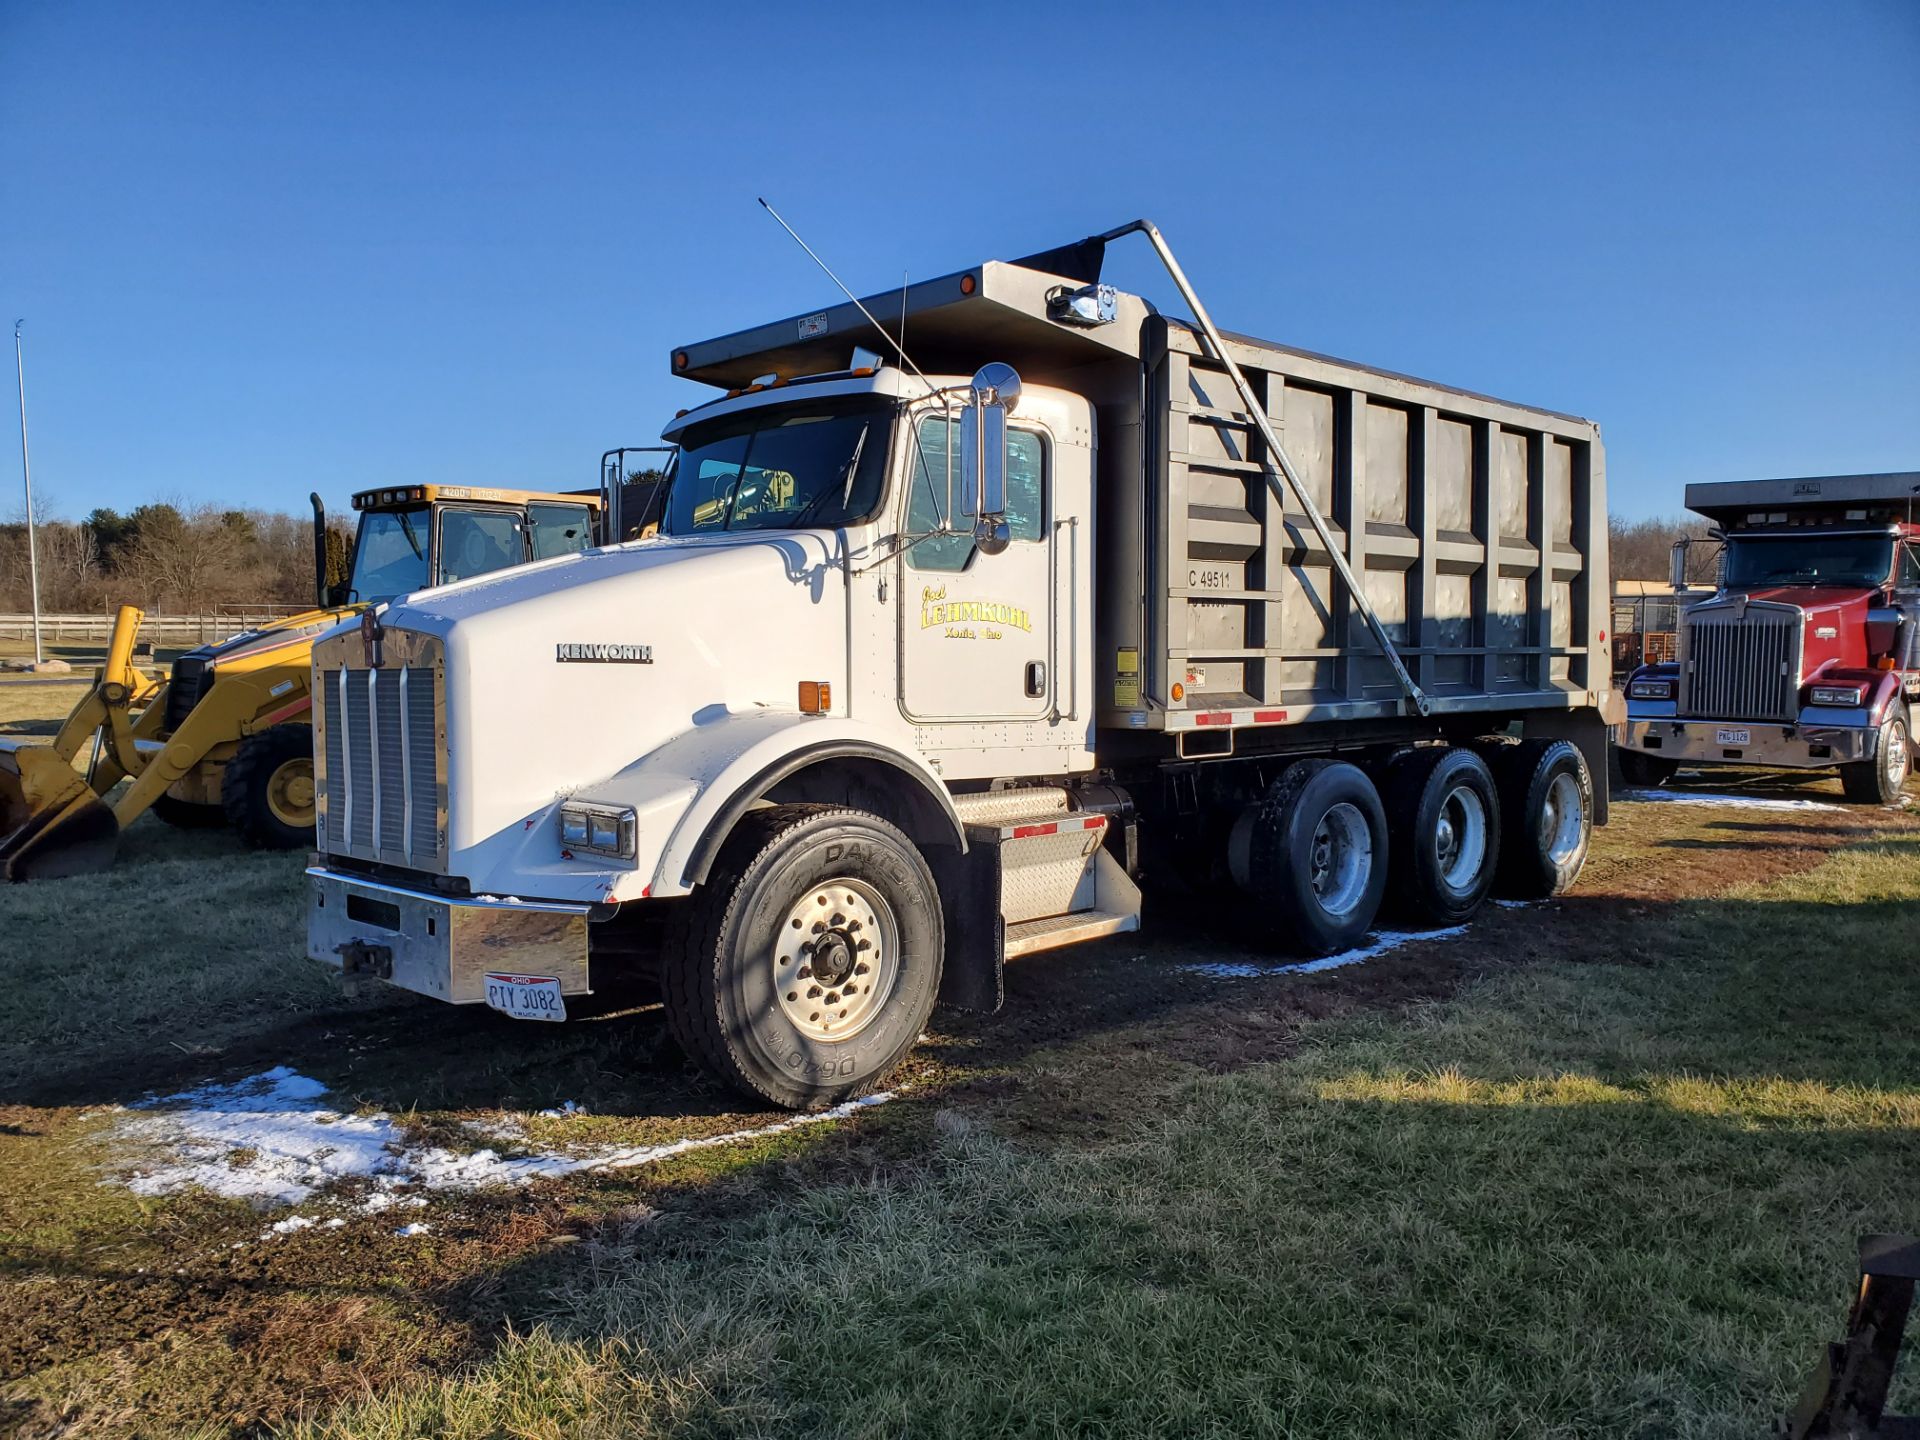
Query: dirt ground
(119, 1309)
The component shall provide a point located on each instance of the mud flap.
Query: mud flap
(974, 973)
(51, 822)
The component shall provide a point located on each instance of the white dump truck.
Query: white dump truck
(945, 647)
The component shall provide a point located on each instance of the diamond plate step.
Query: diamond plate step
(1057, 930)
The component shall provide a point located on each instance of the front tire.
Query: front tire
(1445, 828)
(804, 968)
(1316, 857)
(1546, 814)
(1643, 771)
(267, 789)
(1882, 780)
(188, 814)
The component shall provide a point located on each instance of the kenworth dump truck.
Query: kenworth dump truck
(934, 661)
(1808, 656)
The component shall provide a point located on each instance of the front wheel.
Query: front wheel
(1881, 780)
(803, 969)
(1643, 771)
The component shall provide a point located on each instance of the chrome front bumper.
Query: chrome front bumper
(441, 946)
(1785, 747)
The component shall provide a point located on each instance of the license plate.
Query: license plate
(526, 997)
(1734, 737)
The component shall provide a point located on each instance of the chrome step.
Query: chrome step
(996, 807)
(1056, 930)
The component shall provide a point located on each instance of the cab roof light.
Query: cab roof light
(968, 284)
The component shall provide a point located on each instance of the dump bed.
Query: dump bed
(1477, 526)
(1477, 529)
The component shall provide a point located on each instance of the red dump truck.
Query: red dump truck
(1808, 657)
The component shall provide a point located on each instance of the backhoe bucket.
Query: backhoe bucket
(51, 822)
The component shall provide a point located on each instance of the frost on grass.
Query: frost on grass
(1379, 944)
(270, 1139)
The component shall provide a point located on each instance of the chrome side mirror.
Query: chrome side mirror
(1677, 564)
(994, 392)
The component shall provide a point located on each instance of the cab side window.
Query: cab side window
(474, 542)
(927, 498)
(559, 529)
(1908, 577)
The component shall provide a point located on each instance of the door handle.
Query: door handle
(1036, 679)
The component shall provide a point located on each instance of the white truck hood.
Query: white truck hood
(560, 673)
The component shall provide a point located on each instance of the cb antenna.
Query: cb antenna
(905, 358)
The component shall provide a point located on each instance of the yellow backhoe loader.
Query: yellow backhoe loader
(226, 738)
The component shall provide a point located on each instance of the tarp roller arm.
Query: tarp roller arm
(1257, 413)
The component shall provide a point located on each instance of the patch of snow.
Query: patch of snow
(562, 1112)
(288, 1226)
(1516, 904)
(1738, 802)
(418, 1227)
(266, 1140)
(1382, 942)
(261, 1139)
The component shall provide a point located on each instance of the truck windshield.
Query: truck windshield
(390, 554)
(782, 468)
(1808, 559)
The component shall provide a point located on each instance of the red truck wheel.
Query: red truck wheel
(1882, 780)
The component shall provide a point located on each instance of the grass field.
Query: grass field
(1595, 1169)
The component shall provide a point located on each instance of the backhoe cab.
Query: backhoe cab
(227, 738)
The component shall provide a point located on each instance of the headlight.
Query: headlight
(1651, 690)
(1838, 694)
(602, 829)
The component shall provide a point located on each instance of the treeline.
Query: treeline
(1642, 549)
(162, 557)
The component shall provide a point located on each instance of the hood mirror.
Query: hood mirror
(992, 396)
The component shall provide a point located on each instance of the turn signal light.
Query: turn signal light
(816, 697)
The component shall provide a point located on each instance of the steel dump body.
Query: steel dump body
(1477, 526)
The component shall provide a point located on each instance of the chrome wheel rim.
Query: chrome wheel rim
(836, 959)
(1897, 760)
(1342, 859)
(1460, 839)
(1563, 820)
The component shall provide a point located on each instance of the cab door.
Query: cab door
(976, 630)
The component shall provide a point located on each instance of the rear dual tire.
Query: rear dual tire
(1546, 817)
(1314, 857)
(1445, 815)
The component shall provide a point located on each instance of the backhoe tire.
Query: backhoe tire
(1546, 817)
(1443, 819)
(804, 967)
(187, 815)
(267, 790)
(1882, 780)
(1643, 771)
(1316, 857)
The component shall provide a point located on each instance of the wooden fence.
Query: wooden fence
(167, 631)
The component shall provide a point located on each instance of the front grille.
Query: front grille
(191, 679)
(1741, 662)
(383, 786)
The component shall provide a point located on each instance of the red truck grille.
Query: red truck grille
(1741, 661)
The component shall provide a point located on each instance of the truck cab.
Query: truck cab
(1808, 655)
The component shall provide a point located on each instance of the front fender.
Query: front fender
(688, 793)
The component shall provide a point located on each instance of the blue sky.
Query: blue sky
(263, 249)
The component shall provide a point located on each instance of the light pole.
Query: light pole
(26, 474)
